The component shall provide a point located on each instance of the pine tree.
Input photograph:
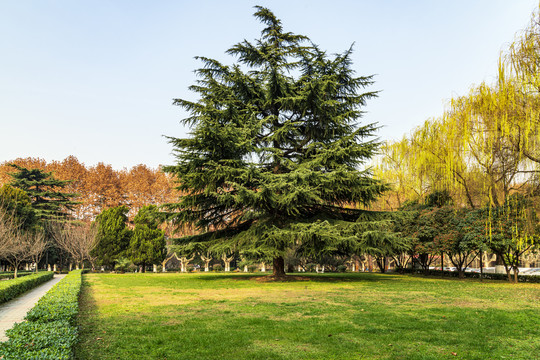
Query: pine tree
(113, 236)
(44, 191)
(16, 203)
(274, 160)
(147, 245)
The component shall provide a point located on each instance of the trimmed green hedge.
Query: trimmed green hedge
(9, 275)
(10, 289)
(489, 276)
(49, 331)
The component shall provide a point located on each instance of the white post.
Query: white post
(155, 268)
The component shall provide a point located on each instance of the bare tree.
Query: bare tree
(77, 239)
(38, 244)
(23, 246)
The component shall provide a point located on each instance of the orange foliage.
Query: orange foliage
(101, 186)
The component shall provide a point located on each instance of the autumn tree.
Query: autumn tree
(276, 147)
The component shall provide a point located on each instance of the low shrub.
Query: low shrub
(475, 275)
(310, 267)
(217, 267)
(9, 275)
(34, 340)
(10, 289)
(253, 268)
(50, 331)
(341, 268)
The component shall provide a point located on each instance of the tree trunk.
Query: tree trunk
(279, 267)
(442, 263)
(516, 272)
(143, 268)
(481, 266)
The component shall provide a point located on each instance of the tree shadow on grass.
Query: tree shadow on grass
(303, 277)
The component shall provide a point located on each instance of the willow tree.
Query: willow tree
(276, 148)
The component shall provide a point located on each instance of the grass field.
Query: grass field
(349, 316)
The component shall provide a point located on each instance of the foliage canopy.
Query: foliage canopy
(276, 148)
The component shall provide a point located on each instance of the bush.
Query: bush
(310, 267)
(50, 331)
(253, 268)
(10, 289)
(474, 275)
(9, 275)
(217, 267)
(341, 268)
(52, 340)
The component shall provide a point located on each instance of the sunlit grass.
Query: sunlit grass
(350, 316)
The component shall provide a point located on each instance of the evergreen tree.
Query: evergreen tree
(147, 245)
(113, 236)
(43, 189)
(274, 159)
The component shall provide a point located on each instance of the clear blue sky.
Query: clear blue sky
(95, 79)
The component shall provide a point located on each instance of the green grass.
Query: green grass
(349, 316)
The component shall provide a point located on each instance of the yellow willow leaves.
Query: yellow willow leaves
(485, 146)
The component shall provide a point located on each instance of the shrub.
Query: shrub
(10, 289)
(9, 275)
(474, 275)
(52, 340)
(310, 267)
(217, 267)
(253, 268)
(50, 331)
(341, 268)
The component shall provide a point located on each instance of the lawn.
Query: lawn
(330, 316)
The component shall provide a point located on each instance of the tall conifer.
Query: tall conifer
(48, 201)
(276, 149)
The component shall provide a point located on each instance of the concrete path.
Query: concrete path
(15, 310)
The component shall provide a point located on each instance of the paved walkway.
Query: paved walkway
(15, 310)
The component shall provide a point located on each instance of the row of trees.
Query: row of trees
(484, 151)
(275, 160)
(143, 244)
(100, 187)
(484, 147)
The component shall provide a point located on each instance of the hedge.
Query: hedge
(9, 275)
(475, 275)
(50, 330)
(10, 289)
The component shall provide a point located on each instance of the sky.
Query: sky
(96, 79)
